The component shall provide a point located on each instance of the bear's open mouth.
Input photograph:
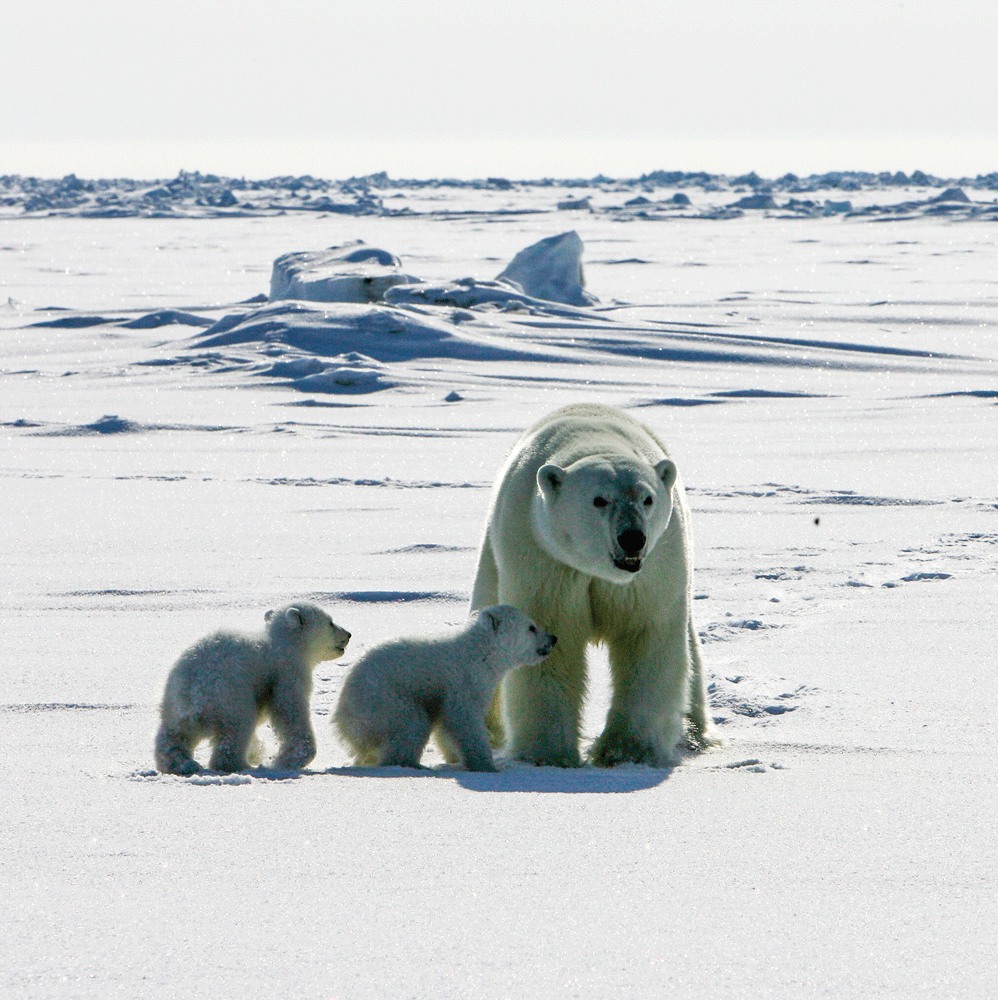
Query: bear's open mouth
(630, 564)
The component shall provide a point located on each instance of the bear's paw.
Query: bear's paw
(613, 748)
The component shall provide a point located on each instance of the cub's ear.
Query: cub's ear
(268, 615)
(491, 619)
(294, 618)
(550, 479)
(666, 471)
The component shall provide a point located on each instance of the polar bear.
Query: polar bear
(227, 683)
(398, 692)
(588, 533)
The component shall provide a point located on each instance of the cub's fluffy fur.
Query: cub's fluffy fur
(227, 683)
(399, 691)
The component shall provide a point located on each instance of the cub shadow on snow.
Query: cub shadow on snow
(526, 778)
(517, 778)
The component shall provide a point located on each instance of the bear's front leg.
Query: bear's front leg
(543, 706)
(466, 734)
(289, 715)
(296, 753)
(651, 677)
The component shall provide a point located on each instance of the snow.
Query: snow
(828, 387)
(354, 273)
(551, 269)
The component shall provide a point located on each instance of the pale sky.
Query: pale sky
(471, 88)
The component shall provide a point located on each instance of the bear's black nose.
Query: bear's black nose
(631, 541)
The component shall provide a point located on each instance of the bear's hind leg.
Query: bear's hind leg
(173, 751)
(700, 732)
(407, 737)
(231, 745)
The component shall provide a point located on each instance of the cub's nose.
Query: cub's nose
(631, 541)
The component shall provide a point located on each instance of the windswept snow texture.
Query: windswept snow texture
(381, 332)
(179, 455)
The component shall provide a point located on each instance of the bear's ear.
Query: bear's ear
(268, 615)
(666, 471)
(550, 479)
(491, 619)
(294, 618)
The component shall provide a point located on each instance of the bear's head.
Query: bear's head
(522, 643)
(307, 627)
(603, 514)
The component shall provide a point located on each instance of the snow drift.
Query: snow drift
(383, 333)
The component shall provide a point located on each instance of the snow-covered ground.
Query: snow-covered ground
(828, 386)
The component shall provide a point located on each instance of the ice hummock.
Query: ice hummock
(551, 269)
(353, 272)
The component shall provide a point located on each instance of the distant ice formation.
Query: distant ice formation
(547, 272)
(349, 273)
(551, 269)
(661, 194)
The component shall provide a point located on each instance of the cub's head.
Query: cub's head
(603, 515)
(307, 626)
(520, 641)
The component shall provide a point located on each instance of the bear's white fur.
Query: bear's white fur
(588, 534)
(227, 683)
(399, 691)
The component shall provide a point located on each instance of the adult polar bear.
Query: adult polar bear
(588, 534)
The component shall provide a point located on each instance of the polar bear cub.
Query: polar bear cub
(399, 691)
(227, 683)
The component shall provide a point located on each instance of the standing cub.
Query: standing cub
(398, 692)
(227, 683)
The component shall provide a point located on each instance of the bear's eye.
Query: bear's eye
(648, 501)
(599, 502)
(533, 628)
